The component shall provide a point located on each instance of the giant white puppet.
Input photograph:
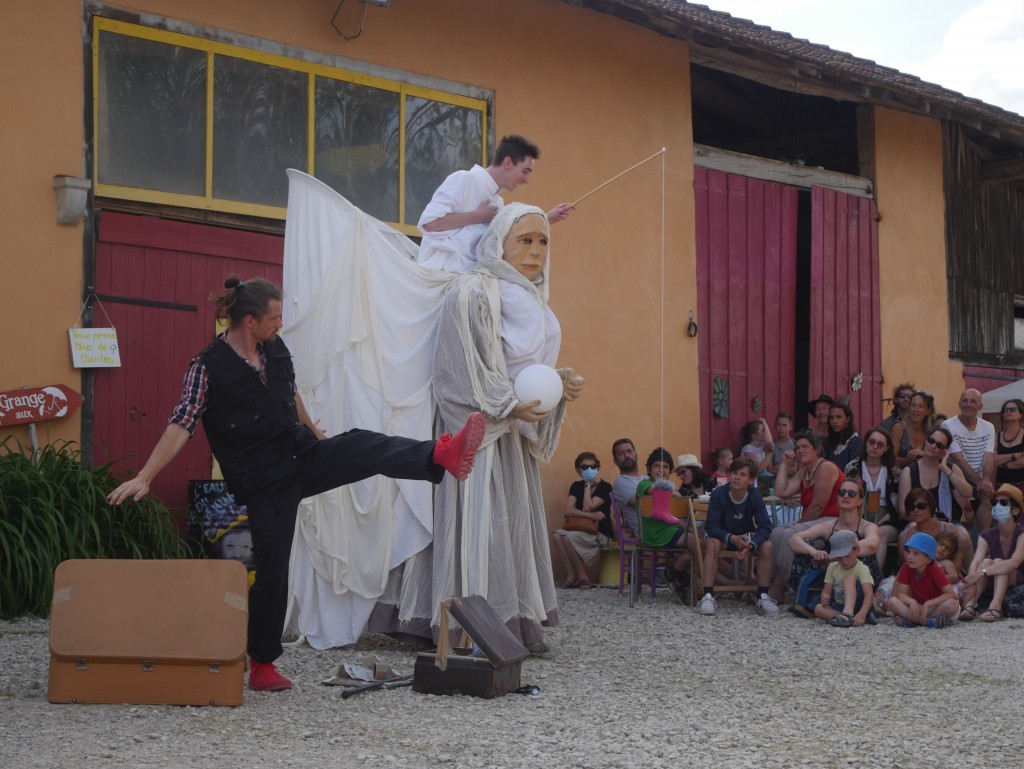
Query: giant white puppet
(363, 321)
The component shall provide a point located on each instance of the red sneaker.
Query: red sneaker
(456, 453)
(263, 677)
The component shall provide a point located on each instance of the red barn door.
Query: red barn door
(746, 233)
(846, 336)
(154, 278)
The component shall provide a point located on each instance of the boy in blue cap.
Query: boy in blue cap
(923, 595)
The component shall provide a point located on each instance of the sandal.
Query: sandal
(841, 620)
(936, 623)
(568, 584)
(969, 612)
(991, 615)
(586, 584)
(903, 622)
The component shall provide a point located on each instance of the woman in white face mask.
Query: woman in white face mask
(587, 527)
(998, 563)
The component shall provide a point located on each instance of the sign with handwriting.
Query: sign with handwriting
(95, 348)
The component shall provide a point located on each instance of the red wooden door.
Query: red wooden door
(845, 339)
(746, 292)
(154, 278)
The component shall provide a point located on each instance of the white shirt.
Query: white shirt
(462, 192)
(973, 443)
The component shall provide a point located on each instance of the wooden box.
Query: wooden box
(148, 632)
(490, 676)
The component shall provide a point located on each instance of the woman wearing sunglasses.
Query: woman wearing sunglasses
(588, 511)
(999, 562)
(935, 473)
(813, 542)
(921, 508)
(876, 469)
(1009, 457)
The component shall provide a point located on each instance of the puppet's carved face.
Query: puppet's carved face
(526, 245)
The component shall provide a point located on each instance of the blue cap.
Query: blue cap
(924, 542)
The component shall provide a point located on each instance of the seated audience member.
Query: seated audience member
(936, 473)
(973, 451)
(910, 434)
(818, 410)
(921, 510)
(690, 472)
(938, 419)
(998, 563)
(589, 500)
(875, 468)
(757, 443)
(810, 546)
(901, 395)
(949, 557)
(738, 521)
(805, 472)
(721, 459)
(662, 529)
(783, 440)
(842, 445)
(1009, 456)
(624, 487)
(849, 590)
(923, 595)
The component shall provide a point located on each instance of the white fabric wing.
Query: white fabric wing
(360, 318)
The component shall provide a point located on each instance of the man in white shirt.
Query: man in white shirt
(458, 214)
(973, 450)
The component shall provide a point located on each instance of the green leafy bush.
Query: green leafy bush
(57, 509)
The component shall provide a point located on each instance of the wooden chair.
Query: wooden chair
(698, 512)
(626, 547)
(658, 556)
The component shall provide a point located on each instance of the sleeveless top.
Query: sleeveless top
(942, 492)
(1007, 474)
(831, 509)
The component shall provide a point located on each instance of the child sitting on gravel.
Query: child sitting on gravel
(848, 593)
(949, 557)
(923, 595)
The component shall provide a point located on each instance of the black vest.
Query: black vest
(253, 428)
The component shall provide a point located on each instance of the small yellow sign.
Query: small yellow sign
(95, 348)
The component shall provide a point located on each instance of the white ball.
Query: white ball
(539, 383)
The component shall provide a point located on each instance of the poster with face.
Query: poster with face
(218, 527)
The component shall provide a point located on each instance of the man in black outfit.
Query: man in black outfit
(243, 388)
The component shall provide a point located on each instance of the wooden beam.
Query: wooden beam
(996, 171)
(777, 171)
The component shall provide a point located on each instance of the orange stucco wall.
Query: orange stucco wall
(912, 257)
(41, 136)
(554, 80)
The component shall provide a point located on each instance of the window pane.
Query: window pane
(440, 138)
(152, 115)
(356, 144)
(259, 130)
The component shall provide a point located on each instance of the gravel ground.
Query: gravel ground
(653, 686)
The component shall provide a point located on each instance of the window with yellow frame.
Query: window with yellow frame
(185, 121)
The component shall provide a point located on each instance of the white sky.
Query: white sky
(975, 47)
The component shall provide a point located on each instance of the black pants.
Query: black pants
(337, 461)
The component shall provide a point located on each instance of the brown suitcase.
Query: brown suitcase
(148, 632)
(495, 674)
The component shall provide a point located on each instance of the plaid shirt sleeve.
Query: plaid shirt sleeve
(193, 398)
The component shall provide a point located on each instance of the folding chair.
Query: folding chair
(698, 513)
(657, 556)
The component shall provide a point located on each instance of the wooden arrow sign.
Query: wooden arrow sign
(37, 404)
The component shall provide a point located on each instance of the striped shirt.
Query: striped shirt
(973, 443)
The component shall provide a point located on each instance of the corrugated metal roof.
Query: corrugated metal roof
(716, 34)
